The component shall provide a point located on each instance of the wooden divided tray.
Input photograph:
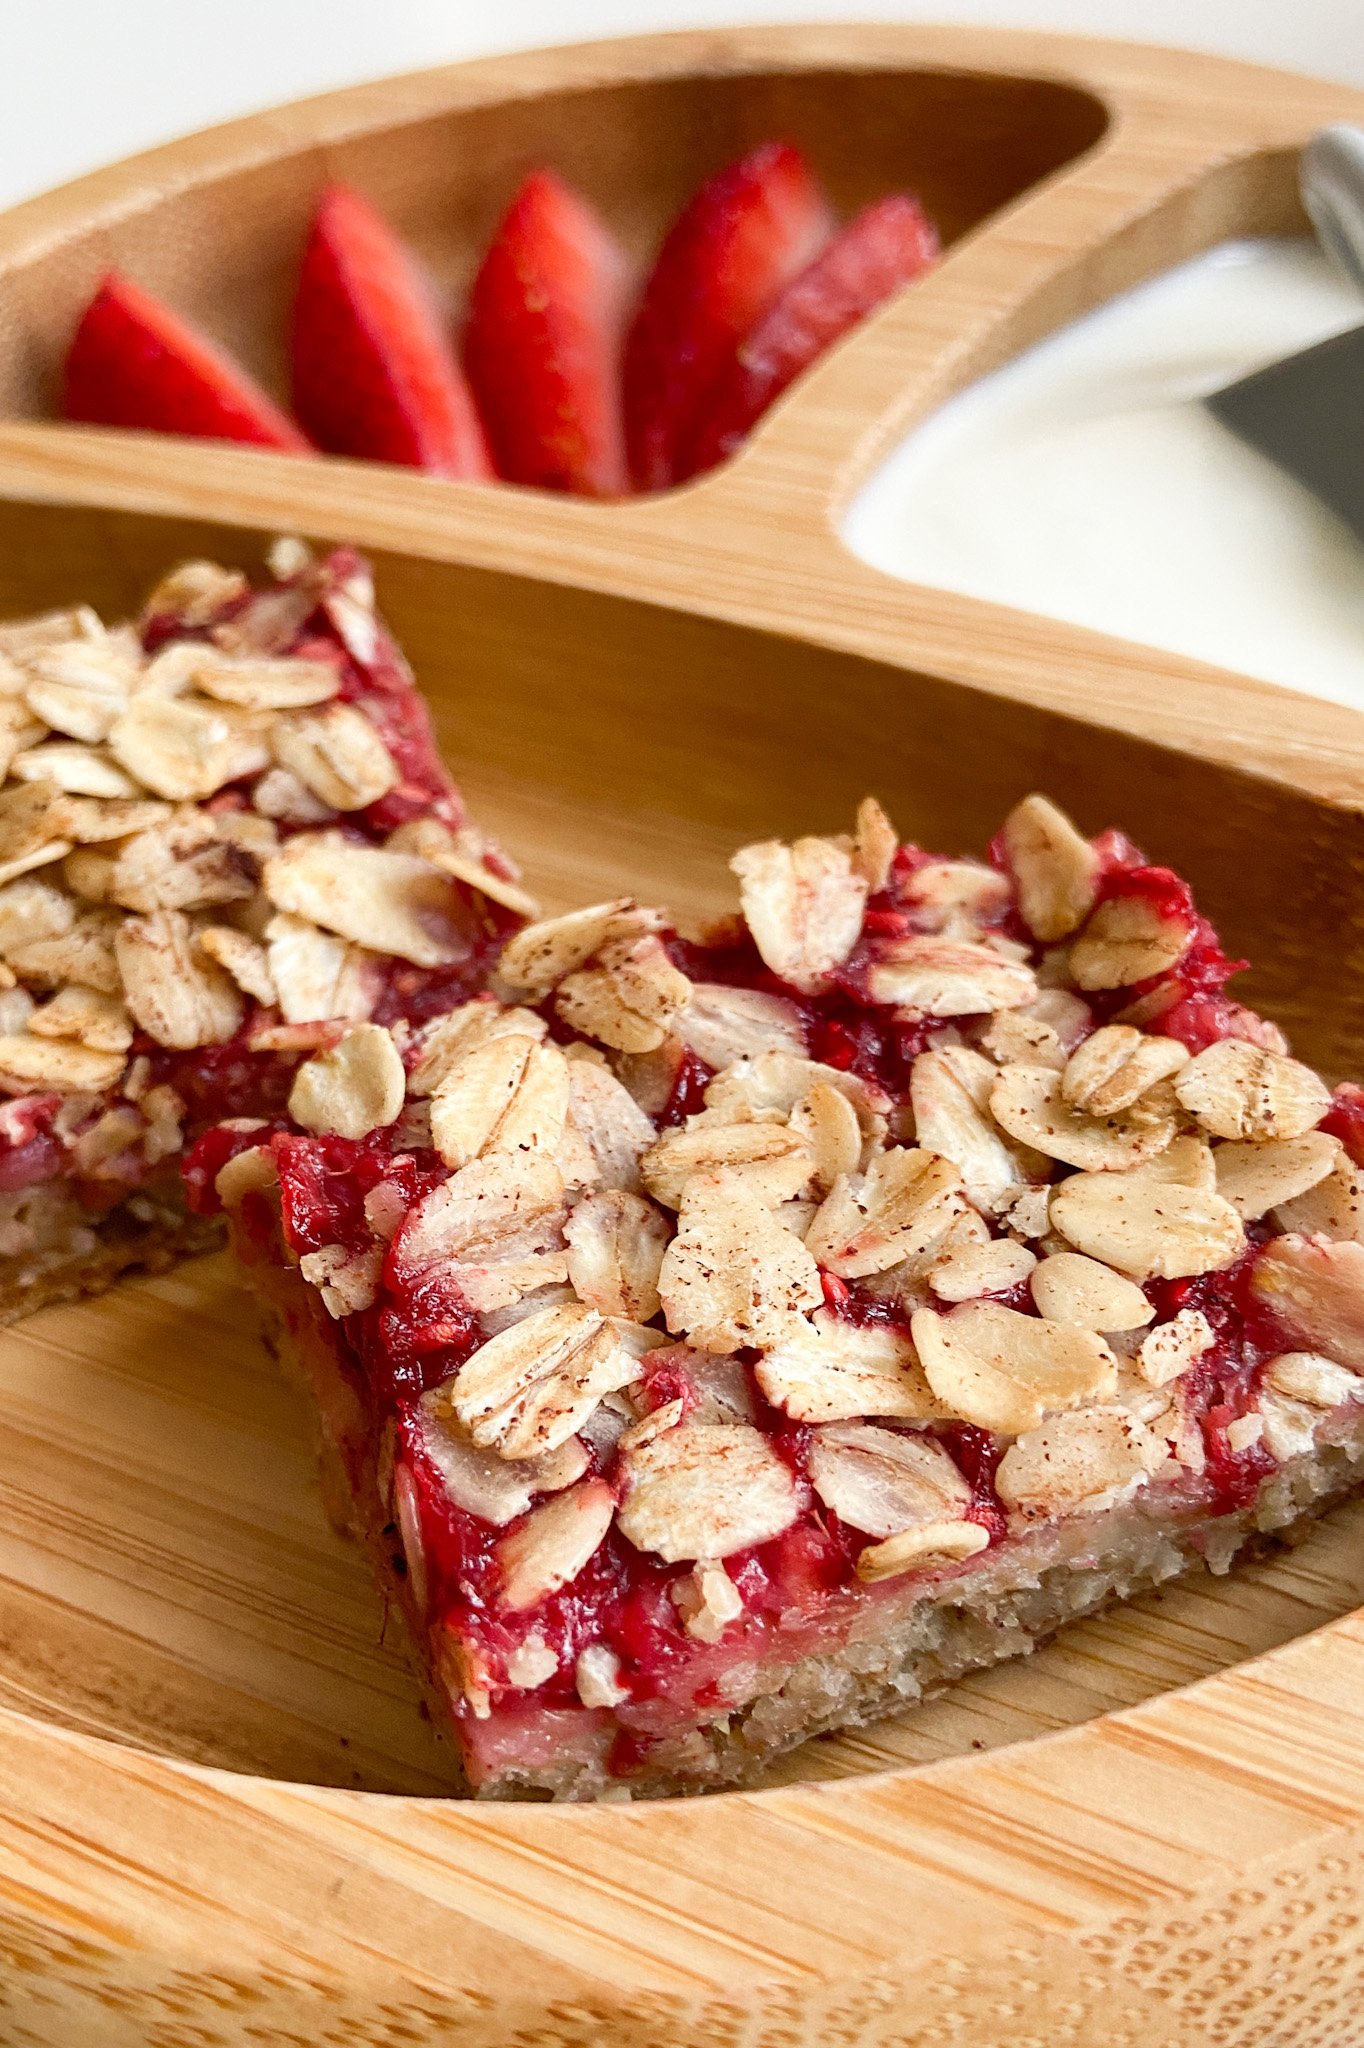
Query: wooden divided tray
(221, 1815)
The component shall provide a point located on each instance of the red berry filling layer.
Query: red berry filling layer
(689, 1311)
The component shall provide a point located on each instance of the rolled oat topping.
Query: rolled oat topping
(939, 1199)
(199, 881)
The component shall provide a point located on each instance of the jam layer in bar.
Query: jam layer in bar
(225, 837)
(719, 1343)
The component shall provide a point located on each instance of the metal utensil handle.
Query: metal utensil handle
(1331, 179)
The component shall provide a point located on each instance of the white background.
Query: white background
(86, 81)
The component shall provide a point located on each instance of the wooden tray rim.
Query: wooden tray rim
(1262, 1757)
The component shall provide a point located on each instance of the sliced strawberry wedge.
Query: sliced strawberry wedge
(134, 363)
(745, 235)
(542, 349)
(373, 374)
(884, 247)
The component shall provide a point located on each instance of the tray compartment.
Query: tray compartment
(167, 1577)
(223, 245)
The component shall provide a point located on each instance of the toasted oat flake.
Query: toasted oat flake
(185, 751)
(466, 856)
(875, 843)
(70, 765)
(317, 975)
(921, 1548)
(616, 1243)
(630, 999)
(1334, 1208)
(881, 1481)
(554, 1544)
(1256, 1178)
(180, 999)
(532, 1386)
(84, 954)
(1128, 939)
(1069, 1288)
(354, 1088)
(1001, 1370)
(246, 1173)
(195, 592)
(767, 1087)
(265, 685)
(775, 1162)
(705, 1491)
(507, 1095)
(443, 1043)
(611, 1126)
(1074, 1460)
(972, 1270)
(28, 1063)
(956, 899)
(707, 1600)
(1055, 870)
(33, 910)
(829, 1370)
(34, 816)
(337, 754)
(950, 1095)
(537, 957)
(1307, 1376)
(38, 857)
(933, 977)
(181, 863)
(495, 1489)
(1030, 1105)
(902, 1207)
(242, 958)
(21, 638)
(86, 1015)
(1116, 1066)
(347, 1281)
(80, 687)
(1315, 1289)
(826, 1122)
(733, 1276)
(389, 902)
(278, 794)
(803, 905)
(1146, 1227)
(1019, 1037)
(1171, 1348)
(1027, 1214)
(1185, 1162)
(20, 733)
(722, 1025)
(494, 1229)
(1241, 1091)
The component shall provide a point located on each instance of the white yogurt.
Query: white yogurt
(1085, 481)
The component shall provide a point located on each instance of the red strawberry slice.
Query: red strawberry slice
(134, 363)
(373, 374)
(542, 350)
(884, 247)
(744, 236)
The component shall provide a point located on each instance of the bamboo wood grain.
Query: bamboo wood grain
(215, 1814)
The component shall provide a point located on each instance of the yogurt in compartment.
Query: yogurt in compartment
(1086, 481)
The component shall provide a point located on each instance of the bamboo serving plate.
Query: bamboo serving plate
(221, 1817)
